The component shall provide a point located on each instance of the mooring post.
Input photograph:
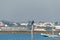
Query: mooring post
(32, 33)
(32, 30)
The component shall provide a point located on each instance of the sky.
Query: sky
(24, 10)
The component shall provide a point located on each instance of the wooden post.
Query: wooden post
(32, 33)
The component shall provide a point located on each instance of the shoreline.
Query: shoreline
(28, 32)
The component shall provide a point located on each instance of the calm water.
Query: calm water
(22, 37)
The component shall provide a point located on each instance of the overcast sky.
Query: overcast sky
(24, 10)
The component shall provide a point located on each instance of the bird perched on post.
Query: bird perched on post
(32, 22)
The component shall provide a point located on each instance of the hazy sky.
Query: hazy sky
(21, 10)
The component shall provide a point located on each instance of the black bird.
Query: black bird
(32, 22)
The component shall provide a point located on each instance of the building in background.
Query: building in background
(2, 24)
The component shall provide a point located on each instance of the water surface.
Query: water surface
(22, 37)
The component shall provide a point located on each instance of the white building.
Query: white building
(57, 27)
